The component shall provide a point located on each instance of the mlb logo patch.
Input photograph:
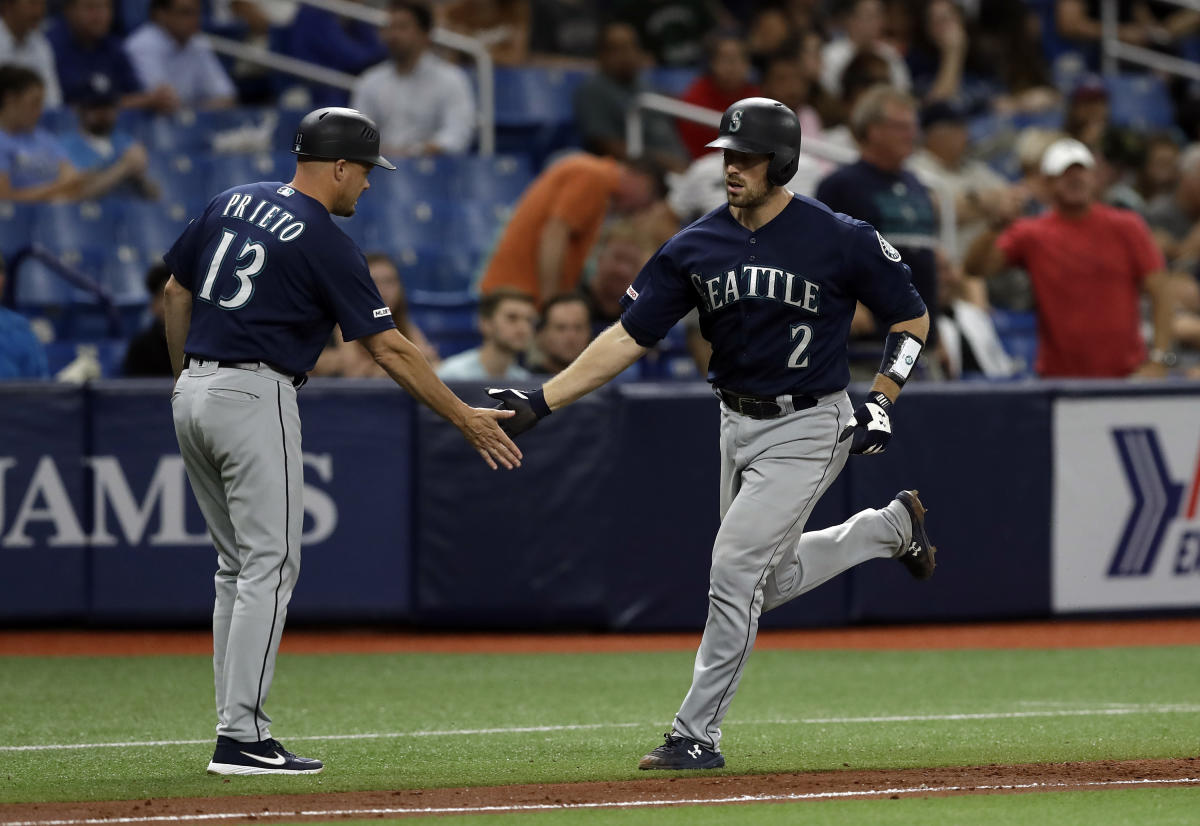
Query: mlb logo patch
(286, 191)
(888, 250)
(631, 292)
(381, 312)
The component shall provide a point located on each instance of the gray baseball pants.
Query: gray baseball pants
(773, 472)
(239, 435)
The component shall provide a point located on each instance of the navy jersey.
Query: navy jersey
(270, 274)
(898, 205)
(775, 303)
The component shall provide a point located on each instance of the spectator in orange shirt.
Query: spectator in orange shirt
(726, 82)
(553, 227)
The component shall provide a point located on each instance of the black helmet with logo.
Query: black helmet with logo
(762, 126)
(337, 132)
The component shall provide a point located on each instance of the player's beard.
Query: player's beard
(751, 196)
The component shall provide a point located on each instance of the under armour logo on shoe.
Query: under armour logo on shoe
(695, 751)
(914, 548)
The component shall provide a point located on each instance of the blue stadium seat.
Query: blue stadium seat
(89, 235)
(529, 96)
(185, 131)
(151, 228)
(429, 268)
(1018, 333)
(185, 180)
(226, 171)
(1139, 101)
(414, 179)
(110, 352)
(501, 179)
(446, 318)
(16, 227)
(535, 111)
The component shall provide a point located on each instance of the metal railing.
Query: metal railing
(1113, 49)
(484, 69)
(835, 153)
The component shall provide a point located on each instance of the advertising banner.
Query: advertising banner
(1126, 531)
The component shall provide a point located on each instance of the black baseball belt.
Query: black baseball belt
(765, 407)
(296, 380)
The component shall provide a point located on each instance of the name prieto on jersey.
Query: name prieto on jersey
(265, 214)
(765, 283)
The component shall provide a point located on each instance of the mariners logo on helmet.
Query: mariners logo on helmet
(735, 120)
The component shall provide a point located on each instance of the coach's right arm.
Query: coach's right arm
(403, 361)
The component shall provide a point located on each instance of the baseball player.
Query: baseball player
(258, 282)
(775, 278)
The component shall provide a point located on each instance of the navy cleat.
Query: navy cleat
(917, 557)
(679, 752)
(262, 757)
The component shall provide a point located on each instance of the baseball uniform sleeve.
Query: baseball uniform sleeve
(181, 258)
(353, 299)
(659, 297)
(880, 279)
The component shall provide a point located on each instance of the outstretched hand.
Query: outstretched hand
(527, 408)
(484, 429)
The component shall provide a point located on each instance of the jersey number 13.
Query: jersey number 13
(257, 255)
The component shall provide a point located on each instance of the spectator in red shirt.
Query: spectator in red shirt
(1089, 264)
(726, 82)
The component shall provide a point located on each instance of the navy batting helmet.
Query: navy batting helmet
(336, 132)
(762, 126)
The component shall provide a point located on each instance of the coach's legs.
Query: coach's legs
(263, 474)
(251, 430)
(773, 473)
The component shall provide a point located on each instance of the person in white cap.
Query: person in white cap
(1089, 264)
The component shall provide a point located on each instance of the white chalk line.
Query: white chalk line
(607, 804)
(1108, 711)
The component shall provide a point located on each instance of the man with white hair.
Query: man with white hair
(1089, 264)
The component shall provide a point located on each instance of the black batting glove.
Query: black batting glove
(530, 405)
(872, 427)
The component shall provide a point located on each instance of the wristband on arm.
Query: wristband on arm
(900, 354)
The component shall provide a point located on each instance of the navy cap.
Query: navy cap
(97, 90)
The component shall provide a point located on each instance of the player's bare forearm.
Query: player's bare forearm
(177, 316)
(611, 352)
(918, 327)
(403, 362)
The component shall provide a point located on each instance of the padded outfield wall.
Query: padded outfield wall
(1045, 499)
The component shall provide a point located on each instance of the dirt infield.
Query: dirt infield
(1060, 634)
(655, 790)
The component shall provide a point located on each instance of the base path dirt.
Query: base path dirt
(1057, 634)
(652, 791)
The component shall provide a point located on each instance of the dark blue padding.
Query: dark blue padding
(42, 436)
(981, 458)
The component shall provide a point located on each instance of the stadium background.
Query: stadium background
(97, 524)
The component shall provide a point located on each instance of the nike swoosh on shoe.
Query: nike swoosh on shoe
(277, 760)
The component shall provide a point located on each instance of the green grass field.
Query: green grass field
(410, 721)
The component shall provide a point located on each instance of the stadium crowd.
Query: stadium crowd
(1074, 250)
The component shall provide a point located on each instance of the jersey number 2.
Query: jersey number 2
(258, 259)
(803, 332)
